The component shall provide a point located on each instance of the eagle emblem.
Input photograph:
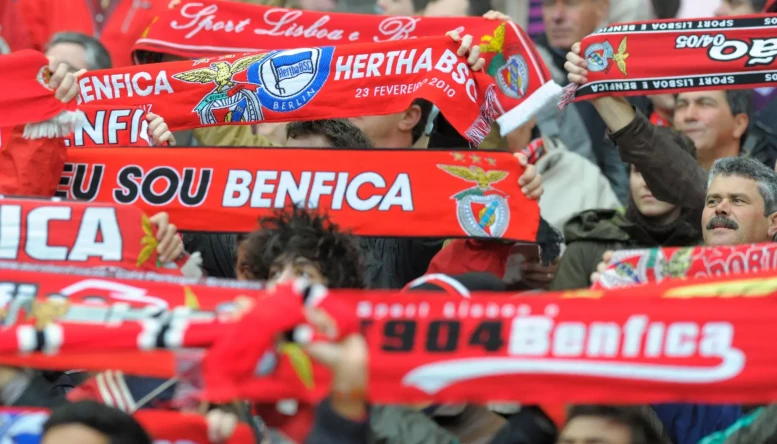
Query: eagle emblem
(621, 56)
(482, 210)
(220, 73)
(599, 55)
(493, 43)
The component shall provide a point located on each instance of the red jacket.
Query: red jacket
(117, 27)
(14, 34)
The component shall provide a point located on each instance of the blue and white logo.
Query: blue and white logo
(291, 78)
(21, 428)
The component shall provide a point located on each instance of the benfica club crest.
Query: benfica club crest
(482, 210)
(599, 55)
(230, 100)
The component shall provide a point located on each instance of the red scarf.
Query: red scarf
(371, 192)
(79, 234)
(671, 56)
(192, 29)
(770, 6)
(638, 267)
(107, 126)
(163, 426)
(343, 81)
(28, 99)
(690, 341)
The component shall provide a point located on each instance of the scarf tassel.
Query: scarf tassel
(60, 126)
(568, 96)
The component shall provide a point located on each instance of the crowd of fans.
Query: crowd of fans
(692, 169)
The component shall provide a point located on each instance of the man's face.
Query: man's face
(381, 130)
(70, 433)
(395, 7)
(735, 7)
(594, 430)
(70, 53)
(646, 204)
(568, 21)
(447, 8)
(734, 213)
(705, 117)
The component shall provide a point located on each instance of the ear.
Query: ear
(410, 118)
(772, 225)
(741, 121)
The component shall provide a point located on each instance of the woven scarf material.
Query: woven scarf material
(343, 81)
(26, 425)
(677, 341)
(28, 99)
(79, 234)
(107, 126)
(193, 29)
(643, 266)
(370, 192)
(671, 56)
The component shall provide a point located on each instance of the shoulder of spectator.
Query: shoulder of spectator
(231, 135)
(330, 427)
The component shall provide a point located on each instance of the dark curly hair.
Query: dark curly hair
(296, 232)
(340, 132)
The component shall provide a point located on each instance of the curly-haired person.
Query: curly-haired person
(295, 242)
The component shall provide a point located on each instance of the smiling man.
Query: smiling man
(716, 121)
(741, 203)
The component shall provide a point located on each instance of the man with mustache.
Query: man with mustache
(741, 203)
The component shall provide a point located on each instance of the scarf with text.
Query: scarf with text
(672, 56)
(690, 341)
(370, 192)
(332, 82)
(193, 29)
(25, 425)
(80, 234)
(108, 126)
(642, 266)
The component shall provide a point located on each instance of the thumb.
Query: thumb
(522, 159)
(79, 73)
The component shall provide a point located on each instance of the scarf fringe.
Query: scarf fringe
(532, 105)
(60, 126)
(568, 96)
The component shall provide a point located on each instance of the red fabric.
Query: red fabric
(123, 22)
(332, 82)
(234, 357)
(106, 126)
(80, 234)
(296, 426)
(26, 95)
(466, 255)
(770, 6)
(14, 34)
(672, 56)
(370, 192)
(658, 119)
(642, 266)
(29, 167)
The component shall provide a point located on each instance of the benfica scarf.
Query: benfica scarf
(107, 126)
(371, 192)
(20, 425)
(332, 82)
(193, 29)
(80, 234)
(689, 341)
(671, 56)
(636, 267)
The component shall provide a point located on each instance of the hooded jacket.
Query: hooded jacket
(591, 233)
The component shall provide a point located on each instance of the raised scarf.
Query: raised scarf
(370, 192)
(671, 56)
(770, 6)
(332, 82)
(193, 29)
(25, 425)
(677, 341)
(82, 234)
(643, 266)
